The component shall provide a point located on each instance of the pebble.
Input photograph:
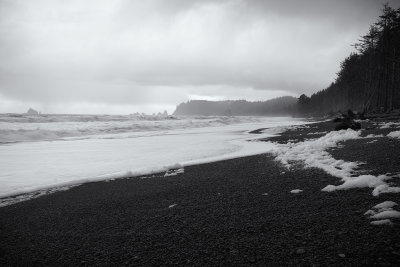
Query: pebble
(251, 259)
(300, 251)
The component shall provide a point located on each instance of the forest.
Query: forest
(281, 106)
(368, 79)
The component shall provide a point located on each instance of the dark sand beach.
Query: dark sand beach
(237, 212)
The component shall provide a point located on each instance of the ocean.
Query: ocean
(46, 152)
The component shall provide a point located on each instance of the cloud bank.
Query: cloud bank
(125, 56)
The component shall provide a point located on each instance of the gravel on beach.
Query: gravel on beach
(236, 212)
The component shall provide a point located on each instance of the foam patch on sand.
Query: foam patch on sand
(374, 136)
(387, 125)
(314, 155)
(382, 213)
(174, 172)
(317, 133)
(23, 197)
(382, 222)
(395, 134)
(296, 191)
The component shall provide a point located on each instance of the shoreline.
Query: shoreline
(238, 211)
(243, 149)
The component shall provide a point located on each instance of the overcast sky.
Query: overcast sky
(124, 56)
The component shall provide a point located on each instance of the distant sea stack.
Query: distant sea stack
(281, 106)
(31, 111)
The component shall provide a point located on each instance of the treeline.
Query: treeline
(368, 80)
(275, 107)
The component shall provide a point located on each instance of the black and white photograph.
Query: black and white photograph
(199, 133)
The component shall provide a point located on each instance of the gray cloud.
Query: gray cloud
(153, 54)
